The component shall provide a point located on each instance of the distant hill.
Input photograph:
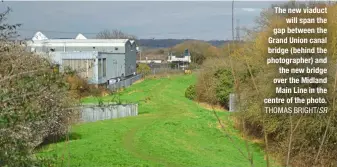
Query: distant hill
(168, 43)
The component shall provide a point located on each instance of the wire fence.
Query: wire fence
(124, 83)
(163, 70)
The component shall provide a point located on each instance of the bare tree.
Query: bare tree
(114, 34)
(8, 31)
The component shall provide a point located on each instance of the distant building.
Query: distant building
(96, 67)
(182, 61)
(98, 60)
(157, 61)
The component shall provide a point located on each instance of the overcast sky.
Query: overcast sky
(193, 20)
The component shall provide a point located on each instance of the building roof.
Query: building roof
(41, 38)
(80, 36)
(78, 43)
(82, 41)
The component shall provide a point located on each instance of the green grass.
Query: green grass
(170, 131)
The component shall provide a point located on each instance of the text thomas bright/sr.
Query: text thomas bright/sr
(296, 110)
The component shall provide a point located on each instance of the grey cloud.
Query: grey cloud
(144, 19)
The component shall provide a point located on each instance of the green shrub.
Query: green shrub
(224, 87)
(192, 66)
(143, 69)
(190, 92)
(173, 66)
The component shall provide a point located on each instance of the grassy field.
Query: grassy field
(170, 131)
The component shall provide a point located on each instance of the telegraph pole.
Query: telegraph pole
(233, 37)
(238, 28)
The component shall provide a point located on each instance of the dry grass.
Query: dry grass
(211, 107)
(244, 136)
(139, 81)
(105, 93)
(164, 75)
(133, 92)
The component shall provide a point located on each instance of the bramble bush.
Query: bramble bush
(215, 82)
(35, 102)
(293, 139)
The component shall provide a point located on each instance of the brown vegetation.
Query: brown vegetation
(296, 140)
(199, 51)
(80, 88)
(34, 104)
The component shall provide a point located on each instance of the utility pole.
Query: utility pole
(238, 29)
(233, 36)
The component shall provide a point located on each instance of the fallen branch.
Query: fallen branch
(228, 136)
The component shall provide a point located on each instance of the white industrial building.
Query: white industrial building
(97, 60)
(182, 61)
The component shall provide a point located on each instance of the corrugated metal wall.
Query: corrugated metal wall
(115, 65)
(92, 113)
(83, 62)
(95, 71)
(80, 48)
(130, 59)
(84, 67)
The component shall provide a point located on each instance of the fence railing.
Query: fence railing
(92, 113)
(155, 71)
(124, 83)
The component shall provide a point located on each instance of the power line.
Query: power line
(52, 31)
(148, 34)
(71, 32)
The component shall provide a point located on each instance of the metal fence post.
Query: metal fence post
(232, 102)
